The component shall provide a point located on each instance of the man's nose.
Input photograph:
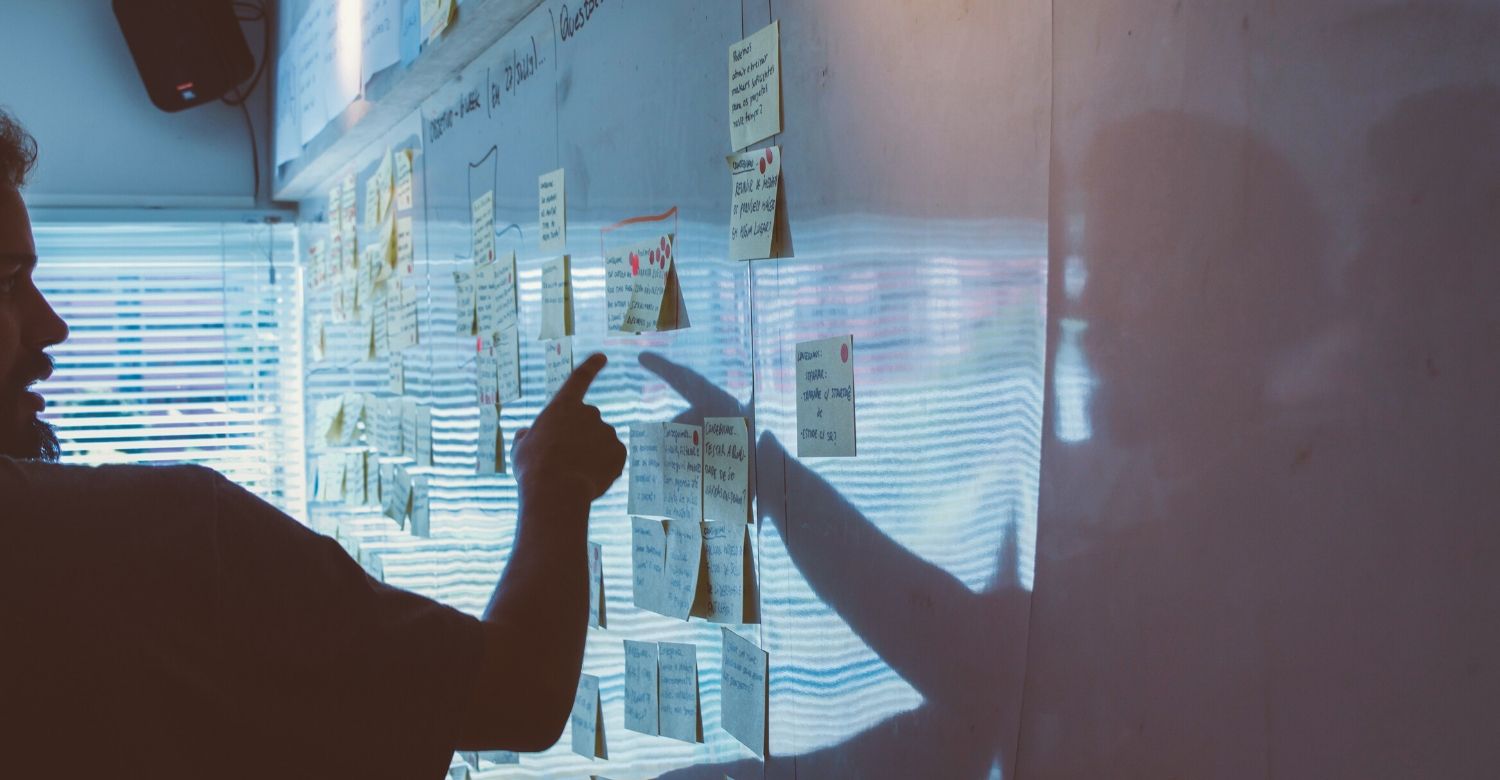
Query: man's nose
(45, 327)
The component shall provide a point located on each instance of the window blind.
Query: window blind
(185, 348)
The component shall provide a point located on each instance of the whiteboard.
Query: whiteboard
(895, 586)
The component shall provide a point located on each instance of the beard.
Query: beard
(26, 438)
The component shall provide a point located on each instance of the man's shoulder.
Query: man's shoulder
(61, 489)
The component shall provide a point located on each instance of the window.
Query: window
(185, 348)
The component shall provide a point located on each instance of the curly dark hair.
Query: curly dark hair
(17, 151)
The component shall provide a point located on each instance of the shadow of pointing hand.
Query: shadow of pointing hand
(962, 651)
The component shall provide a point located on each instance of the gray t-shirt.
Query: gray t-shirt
(165, 623)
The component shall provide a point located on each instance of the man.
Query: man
(164, 623)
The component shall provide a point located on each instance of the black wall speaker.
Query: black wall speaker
(187, 51)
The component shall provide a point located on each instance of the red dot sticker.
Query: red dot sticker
(763, 166)
(663, 244)
(844, 352)
(770, 158)
(695, 438)
(635, 264)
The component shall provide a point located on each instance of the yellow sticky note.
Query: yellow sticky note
(403, 180)
(755, 87)
(825, 398)
(557, 299)
(640, 294)
(552, 214)
(482, 222)
(404, 252)
(464, 321)
(384, 181)
(755, 178)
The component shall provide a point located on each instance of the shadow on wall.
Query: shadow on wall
(1301, 526)
(947, 641)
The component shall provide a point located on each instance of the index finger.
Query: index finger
(576, 386)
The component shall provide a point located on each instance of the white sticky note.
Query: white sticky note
(825, 398)
(682, 472)
(489, 460)
(557, 299)
(464, 322)
(486, 372)
(482, 223)
(552, 214)
(421, 512)
(755, 87)
(588, 719)
(646, 469)
(597, 616)
(677, 670)
(618, 287)
(400, 504)
(404, 199)
(684, 554)
(755, 181)
(744, 692)
(726, 469)
(558, 361)
(648, 562)
(495, 293)
(641, 708)
(653, 303)
(396, 378)
(403, 321)
(729, 596)
(508, 363)
(406, 247)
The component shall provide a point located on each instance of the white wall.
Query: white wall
(66, 73)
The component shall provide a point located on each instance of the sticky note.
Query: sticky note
(652, 304)
(400, 505)
(489, 455)
(383, 186)
(396, 379)
(558, 362)
(424, 436)
(330, 477)
(682, 472)
(403, 180)
(588, 719)
(597, 616)
(495, 293)
(825, 398)
(755, 87)
(726, 469)
(372, 479)
(743, 702)
(403, 321)
(646, 469)
(464, 322)
(552, 214)
(486, 372)
(328, 419)
(640, 291)
(508, 363)
(354, 478)
(677, 670)
(410, 410)
(421, 512)
(730, 595)
(684, 553)
(483, 224)
(372, 201)
(648, 562)
(351, 416)
(641, 708)
(347, 202)
(557, 299)
(406, 248)
(755, 181)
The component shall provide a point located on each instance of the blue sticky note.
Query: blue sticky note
(411, 31)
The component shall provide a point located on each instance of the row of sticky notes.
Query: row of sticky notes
(691, 472)
(662, 695)
(683, 568)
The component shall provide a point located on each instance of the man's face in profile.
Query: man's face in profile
(28, 325)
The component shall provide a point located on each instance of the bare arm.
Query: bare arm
(536, 622)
